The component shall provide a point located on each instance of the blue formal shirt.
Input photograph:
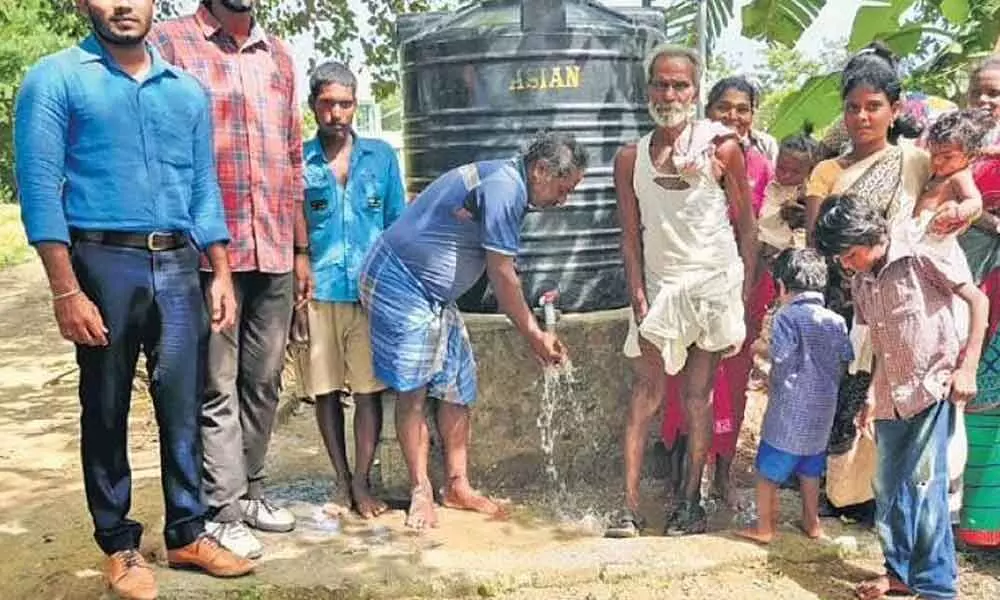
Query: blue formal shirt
(444, 235)
(344, 221)
(97, 150)
(810, 350)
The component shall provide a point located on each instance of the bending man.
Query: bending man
(465, 222)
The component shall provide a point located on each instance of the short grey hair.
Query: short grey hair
(667, 50)
(331, 73)
(560, 152)
(801, 270)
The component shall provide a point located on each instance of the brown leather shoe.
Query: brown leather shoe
(130, 576)
(206, 554)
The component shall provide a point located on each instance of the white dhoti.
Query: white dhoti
(696, 309)
(693, 271)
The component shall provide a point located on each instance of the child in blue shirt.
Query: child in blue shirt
(809, 353)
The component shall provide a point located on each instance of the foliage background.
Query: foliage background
(936, 38)
(31, 29)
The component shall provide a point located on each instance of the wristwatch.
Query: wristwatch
(302, 250)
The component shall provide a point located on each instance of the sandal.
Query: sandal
(628, 524)
(688, 519)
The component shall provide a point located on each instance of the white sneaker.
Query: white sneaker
(263, 515)
(235, 537)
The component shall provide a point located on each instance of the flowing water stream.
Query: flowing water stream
(558, 401)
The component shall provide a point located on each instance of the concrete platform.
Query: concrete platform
(450, 563)
(469, 555)
(583, 416)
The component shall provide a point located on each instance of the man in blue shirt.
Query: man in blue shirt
(465, 222)
(352, 193)
(119, 196)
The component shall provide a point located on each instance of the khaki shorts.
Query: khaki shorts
(340, 352)
(298, 356)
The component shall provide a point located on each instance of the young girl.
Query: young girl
(950, 197)
(782, 224)
(782, 217)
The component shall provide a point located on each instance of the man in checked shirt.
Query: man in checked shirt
(906, 299)
(258, 148)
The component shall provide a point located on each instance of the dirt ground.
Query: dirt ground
(50, 552)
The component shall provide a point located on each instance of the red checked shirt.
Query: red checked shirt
(908, 307)
(258, 133)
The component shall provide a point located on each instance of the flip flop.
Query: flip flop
(628, 524)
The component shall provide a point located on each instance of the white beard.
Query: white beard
(670, 117)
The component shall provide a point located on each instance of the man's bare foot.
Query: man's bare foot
(813, 531)
(421, 513)
(756, 535)
(880, 586)
(460, 495)
(340, 503)
(368, 506)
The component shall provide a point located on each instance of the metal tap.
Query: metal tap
(547, 302)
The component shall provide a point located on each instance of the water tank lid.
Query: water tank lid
(506, 16)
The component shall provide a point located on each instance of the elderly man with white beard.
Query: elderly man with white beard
(690, 251)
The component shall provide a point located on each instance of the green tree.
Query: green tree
(30, 29)
(718, 68)
(780, 74)
(680, 20)
(781, 21)
(937, 40)
(942, 63)
(785, 70)
(333, 26)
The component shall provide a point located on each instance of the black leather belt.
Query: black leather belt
(154, 241)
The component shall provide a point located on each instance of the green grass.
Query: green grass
(14, 247)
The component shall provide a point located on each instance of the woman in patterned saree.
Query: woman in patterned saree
(980, 523)
(890, 177)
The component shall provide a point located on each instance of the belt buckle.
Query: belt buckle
(151, 242)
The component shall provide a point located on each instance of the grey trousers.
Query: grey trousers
(241, 391)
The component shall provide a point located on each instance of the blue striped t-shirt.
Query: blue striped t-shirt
(443, 236)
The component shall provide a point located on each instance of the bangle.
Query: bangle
(65, 295)
(302, 250)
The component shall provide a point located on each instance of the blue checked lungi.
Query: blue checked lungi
(415, 341)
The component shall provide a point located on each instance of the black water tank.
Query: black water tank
(479, 82)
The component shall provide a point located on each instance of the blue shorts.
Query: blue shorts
(778, 466)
